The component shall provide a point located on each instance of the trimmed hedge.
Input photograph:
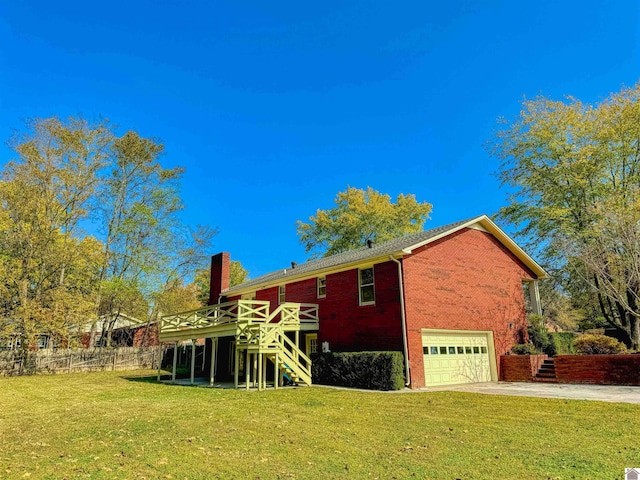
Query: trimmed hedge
(562, 342)
(370, 370)
(524, 349)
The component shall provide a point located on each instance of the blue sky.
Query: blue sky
(274, 107)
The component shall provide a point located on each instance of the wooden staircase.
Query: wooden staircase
(271, 341)
(547, 372)
(260, 334)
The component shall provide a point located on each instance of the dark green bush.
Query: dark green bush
(525, 349)
(370, 370)
(598, 344)
(562, 342)
(539, 336)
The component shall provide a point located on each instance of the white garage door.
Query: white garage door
(452, 358)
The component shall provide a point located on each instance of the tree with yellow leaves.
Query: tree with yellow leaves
(574, 172)
(361, 215)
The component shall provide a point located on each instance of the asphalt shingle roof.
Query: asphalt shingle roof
(360, 254)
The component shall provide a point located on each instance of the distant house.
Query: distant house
(451, 299)
(15, 341)
(125, 331)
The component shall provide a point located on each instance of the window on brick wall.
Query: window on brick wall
(281, 294)
(365, 281)
(322, 287)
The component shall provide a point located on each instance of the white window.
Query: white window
(322, 287)
(43, 341)
(367, 292)
(281, 295)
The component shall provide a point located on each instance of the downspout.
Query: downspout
(404, 321)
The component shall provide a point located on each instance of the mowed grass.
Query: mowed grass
(113, 425)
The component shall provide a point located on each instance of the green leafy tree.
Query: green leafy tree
(69, 174)
(361, 215)
(574, 173)
(48, 274)
(146, 247)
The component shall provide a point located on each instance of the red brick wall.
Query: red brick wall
(598, 369)
(269, 294)
(465, 281)
(146, 336)
(345, 324)
(520, 368)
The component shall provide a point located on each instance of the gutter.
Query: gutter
(404, 321)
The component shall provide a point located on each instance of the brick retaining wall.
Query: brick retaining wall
(598, 369)
(520, 368)
(592, 369)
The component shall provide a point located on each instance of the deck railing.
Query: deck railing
(243, 313)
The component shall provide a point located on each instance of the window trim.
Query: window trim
(318, 286)
(282, 294)
(372, 284)
(309, 338)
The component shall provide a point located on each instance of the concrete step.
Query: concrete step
(545, 379)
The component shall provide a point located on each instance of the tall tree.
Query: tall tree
(361, 215)
(69, 174)
(44, 194)
(574, 170)
(146, 246)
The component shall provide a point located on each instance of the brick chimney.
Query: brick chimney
(219, 276)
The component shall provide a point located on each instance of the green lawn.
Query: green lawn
(105, 425)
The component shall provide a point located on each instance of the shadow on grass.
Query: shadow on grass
(165, 377)
(153, 378)
(144, 379)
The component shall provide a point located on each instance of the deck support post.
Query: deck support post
(259, 371)
(264, 371)
(255, 370)
(276, 371)
(247, 369)
(175, 362)
(193, 359)
(159, 361)
(295, 355)
(212, 373)
(236, 367)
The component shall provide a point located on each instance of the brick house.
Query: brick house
(452, 299)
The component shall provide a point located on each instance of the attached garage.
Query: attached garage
(457, 356)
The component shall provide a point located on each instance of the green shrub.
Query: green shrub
(597, 344)
(370, 370)
(525, 349)
(562, 342)
(539, 336)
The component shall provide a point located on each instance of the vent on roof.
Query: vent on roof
(294, 264)
(369, 243)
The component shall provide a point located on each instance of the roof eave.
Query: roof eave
(483, 220)
(311, 274)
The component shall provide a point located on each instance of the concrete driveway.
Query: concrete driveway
(604, 393)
